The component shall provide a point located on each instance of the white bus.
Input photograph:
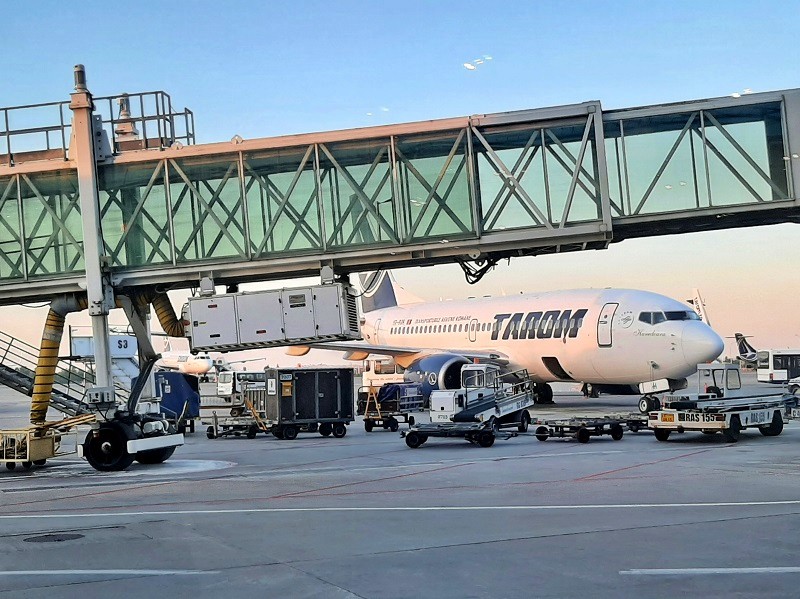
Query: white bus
(379, 372)
(778, 365)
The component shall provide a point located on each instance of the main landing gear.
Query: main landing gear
(543, 393)
(649, 403)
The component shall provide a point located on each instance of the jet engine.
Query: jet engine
(437, 371)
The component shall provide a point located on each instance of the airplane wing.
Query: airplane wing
(402, 355)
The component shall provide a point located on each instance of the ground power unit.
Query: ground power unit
(235, 321)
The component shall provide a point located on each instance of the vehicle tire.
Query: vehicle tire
(662, 434)
(645, 405)
(486, 439)
(339, 430)
(524, 421)
(414, 439)
(583, 435)
(411, 421)
(236, 412)
(11, 465)
(734, 431)
(774, 428)
(41, 462)
(252, 431)
(155, 456)
(325, 429)
(794, 389)
(617, 432)
(394, 426)
(106, 449)
(277, 433)
(542, 433)
(709, 432)
(423, 438)
(715, 390)
(289, 432)
(27, 465)
(634, 428)
(494, 426)
(368, 425)
(312, 428)
(656, 403)
(210, 432)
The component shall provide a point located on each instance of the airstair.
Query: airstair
(72, 379)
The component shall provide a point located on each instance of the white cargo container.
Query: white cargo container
(236, 321)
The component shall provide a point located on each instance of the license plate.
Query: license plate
(795, 412)
(667, 417)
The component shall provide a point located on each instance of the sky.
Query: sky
(264, 69)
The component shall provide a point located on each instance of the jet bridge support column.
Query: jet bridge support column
(99, 292)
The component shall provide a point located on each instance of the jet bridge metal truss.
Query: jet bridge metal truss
(520, 183)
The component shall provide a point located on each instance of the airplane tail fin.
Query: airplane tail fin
(167, 345)
(746, 351)
(699, 306)
(378, 291)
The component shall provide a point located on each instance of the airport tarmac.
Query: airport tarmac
(365, 516)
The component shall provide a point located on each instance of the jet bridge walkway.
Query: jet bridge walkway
(470, 189)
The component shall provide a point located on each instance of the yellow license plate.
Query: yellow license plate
(667, 417)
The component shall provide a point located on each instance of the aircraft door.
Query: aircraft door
(376, 332)
(473, 330)
(604, 325)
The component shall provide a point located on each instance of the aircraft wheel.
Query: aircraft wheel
(524, 421)
(368, 425)
(414, 439)
(155, 456)
(616, 432)
(662, 434)
(394, 426)
(325, 429)
(542, 433)
(339, 430)
(486, 439)
(106, 449)
(289, 432)
(774, 428)
(583, 435)
(645, 405)
(544, 393)
(734, 431)
(210, 432)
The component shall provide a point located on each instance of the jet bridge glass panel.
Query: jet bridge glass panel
(49, 223)
(696, 159)
(538, 176)
(135, 213)
(433, 177)
(282, 201)
(207, 208)
(11, 233)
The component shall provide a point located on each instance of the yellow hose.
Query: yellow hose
(54, 329)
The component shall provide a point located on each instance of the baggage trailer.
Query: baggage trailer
(307, 400)
(34, 445)
(389, 405)
(487, 402)
(583, 429)
(721, 406)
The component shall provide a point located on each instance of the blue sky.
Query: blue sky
(262, 69)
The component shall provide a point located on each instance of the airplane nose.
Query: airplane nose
(701, 344)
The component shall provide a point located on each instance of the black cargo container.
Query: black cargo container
(309, 400)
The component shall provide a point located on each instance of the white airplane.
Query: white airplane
(200, 363)
(613, 338)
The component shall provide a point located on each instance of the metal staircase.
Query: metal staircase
(72, 379)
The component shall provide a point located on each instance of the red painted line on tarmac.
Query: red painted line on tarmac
(677, 457)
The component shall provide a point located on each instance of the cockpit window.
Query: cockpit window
(646, 317)
(682, 315)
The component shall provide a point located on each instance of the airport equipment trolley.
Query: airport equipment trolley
(582, 429)
(35, 445)
(389, 405)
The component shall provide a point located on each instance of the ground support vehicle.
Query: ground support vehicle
(722, 407)
(487, 402)
(389, 405)
(582, 429)
(35, 445)
(308, 400)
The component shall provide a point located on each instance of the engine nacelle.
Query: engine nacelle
(437, 371)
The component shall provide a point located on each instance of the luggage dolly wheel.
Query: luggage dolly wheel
(616, 431)
(486, 439)
(415, 439)
(542, 433)
(583, 435)
(339, 430)
(11, 465)
(106, 449)
(289, 432)
(524, 421)
(325, 429)
(369, 425)
(394, 426)
(252, 431)
(210, 433)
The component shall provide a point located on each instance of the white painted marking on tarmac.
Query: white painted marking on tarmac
(432, 508)
(105, 572)
(707, 571)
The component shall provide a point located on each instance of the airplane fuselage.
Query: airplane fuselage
(613, 336)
